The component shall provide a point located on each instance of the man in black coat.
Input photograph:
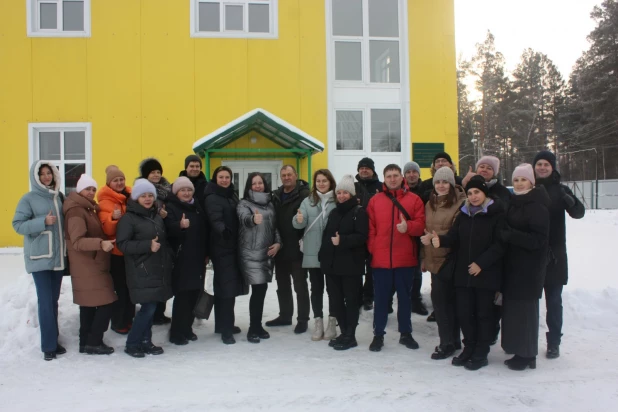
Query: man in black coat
(367, 185)
(193, 170)
(562, 200)
(288, 262)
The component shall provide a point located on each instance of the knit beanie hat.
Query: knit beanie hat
(112, 172)
(148, 165)
(492, 161)
(524, 170)
(192, 158)
(442, 155)
(546, 155)
(366, 162)
(84, 182)
(142, 186)
(347, 183)
(411, 166)
(478, 182)
(444, 173)
(181, 183)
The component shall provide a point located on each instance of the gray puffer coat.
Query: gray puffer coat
(254, 240)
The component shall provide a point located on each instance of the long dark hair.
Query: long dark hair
(222, 169)
(451, 198)
(249, 183)
(315, 199)
(53, 182)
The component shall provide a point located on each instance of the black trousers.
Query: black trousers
(256, 305)
(285, 273)
(224, 315)
(182, 314)
(443, 300)
(160, 311)
(123, 310)
(93, 322)
(367, 292)
(316, 277)
(344, 294)
(417, 283)
(475, 311)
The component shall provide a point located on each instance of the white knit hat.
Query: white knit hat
(142, 186)
(346, 183)
(84, 182)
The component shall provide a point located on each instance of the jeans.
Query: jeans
(182, 314)
(141, 331)
(316, 277)
(383, 281)
(553, 302)
(284, 270)
(256, 305)
(47, 284)
(93, 322)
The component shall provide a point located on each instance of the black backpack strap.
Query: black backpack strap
(399, 206)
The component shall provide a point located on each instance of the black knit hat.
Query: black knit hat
(148, 165)
(442, 155)
(546, 155)
(366, 162)
(478, 182)
(192, 158)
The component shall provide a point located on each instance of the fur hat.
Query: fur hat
(112, 172)
(84, 182)
(411, 166)
(346, 183)
(192, 158)
(181, 183)
(478, 182)
(366, 162)
(526, 171)
(444, 173)
(546, 155)
(148, 165)
(492, 161)
(142, 186)
(442, 155)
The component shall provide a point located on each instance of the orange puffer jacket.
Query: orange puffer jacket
(110, 200)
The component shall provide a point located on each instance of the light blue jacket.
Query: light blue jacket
(44, 246)
(312, 240)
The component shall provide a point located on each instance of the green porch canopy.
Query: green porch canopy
(292, 141)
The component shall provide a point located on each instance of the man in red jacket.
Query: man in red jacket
(396, 218)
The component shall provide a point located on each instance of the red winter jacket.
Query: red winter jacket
(388, 247)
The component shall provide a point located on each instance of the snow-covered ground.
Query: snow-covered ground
(290, 372)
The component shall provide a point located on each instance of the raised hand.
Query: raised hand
(155, 245)
(426, 238)
(107, 245)
(299, 216)
(184, 222)
(435, 240)
(468, 176)
(117, 213)
(50, 219)
(336, 239)
(258, 218)
(163, 212)
(402, 226)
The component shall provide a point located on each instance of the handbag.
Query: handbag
(300, 242)
(446, 272)
(204, 305)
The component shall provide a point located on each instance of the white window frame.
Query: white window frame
(234, 34)
(366, 110)
(32, 20)
(33, 145)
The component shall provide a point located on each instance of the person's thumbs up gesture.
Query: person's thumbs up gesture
(50, 219)
(155, 245)
(107, 245)
(299, 216)
(258, 218)
(184, 222)
(402, 226)
(426, 238)
(468, 176)
(117, 214)
(336, 239)
(435, 240)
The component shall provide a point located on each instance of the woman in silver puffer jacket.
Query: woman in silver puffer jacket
(259, 242)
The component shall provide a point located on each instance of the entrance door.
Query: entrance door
(241, 169)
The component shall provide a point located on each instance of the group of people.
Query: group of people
(490, 252)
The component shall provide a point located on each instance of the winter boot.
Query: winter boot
(301, 327)
(331, 330)
(252, 336)
(408, 341)
(474, 364)
(135, 351)
(101, 349)
(376, 344)
(519, 363)
(179, 340)
(60, 350)
(318, 331)
(236, 330)
(431, 317)
(418, 307)
(347, 342)
(553, 351)
(192, 337)
(278, 321)
(49, 356)
(368, 305)
(463, 357)
(150, 349)
(333, 342)
(443, 352)
(228, 339)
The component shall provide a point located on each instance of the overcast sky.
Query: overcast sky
(557, 28)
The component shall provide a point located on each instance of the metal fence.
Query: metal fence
(596, 195)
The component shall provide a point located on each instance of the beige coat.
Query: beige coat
(89, 264)
(441, 221)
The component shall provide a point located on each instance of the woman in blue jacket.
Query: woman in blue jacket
(39, 219)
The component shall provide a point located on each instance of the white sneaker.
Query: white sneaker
(331, 330)
(318, 331)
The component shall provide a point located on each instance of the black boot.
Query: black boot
(278, 321)
(161, 320)
(419, 308)
(301, 327)
(60, 350)
(553, 351)
(101, 349)
(376, 344)
(252, 336)
(262, 333)
(407, 340)
(368, 305)
(333, 342)
(179, 340)
(519, 363)
(443, 352)
(228, 339)
(463, 357)
(347, 342)
(431, 317)
(134, 351)
(236, 330)
(474, 364)
(150, 349)
(49, 356)
(192, 337)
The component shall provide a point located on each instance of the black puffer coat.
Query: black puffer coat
(367, 188)
(500, 194)
(558, 268)
(477, 239)
(348, 258)
(221, 205)
(525, 260)
(149, 274)
(285, 210)
(190, 246)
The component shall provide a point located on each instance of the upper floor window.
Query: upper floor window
(366, 40)
(234, 18)
(58, 18)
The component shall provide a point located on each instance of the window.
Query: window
(234, 18)
(384, 125)
(349, 130)
(366, 37)
(385, 130)
(66, 145)
(58, 18)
